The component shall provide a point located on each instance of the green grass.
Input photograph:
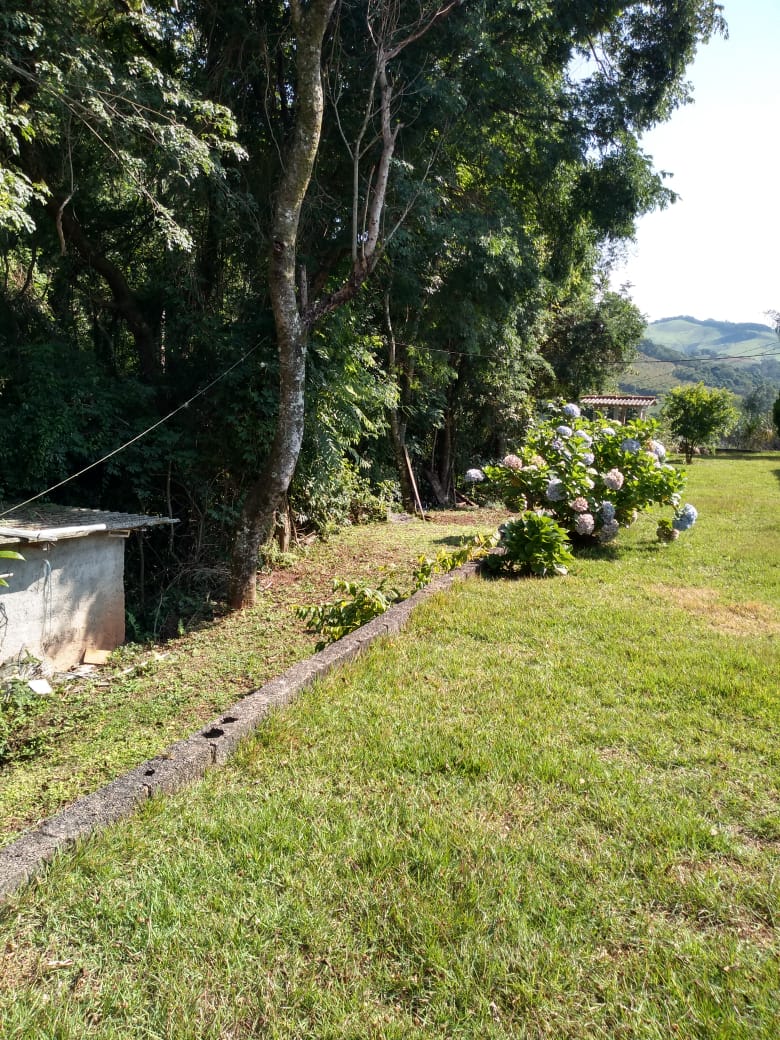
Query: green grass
(547, 809)
(90, 732)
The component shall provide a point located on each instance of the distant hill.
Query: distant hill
(692, 336)
(719, 353)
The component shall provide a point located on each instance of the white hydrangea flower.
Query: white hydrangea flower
(555, 490)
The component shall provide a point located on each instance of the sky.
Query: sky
(716, 252)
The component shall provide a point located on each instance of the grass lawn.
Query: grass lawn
(89, 732)
(547, 809)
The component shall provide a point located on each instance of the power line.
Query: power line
(646, 360)
(710, 360)
(138, 436)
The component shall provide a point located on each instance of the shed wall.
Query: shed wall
(64, 598)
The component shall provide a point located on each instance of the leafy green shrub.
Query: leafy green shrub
(358, 605)
(17, 704)
(446, 561)
(532, 544)
(591, 476)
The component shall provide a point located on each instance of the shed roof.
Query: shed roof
(629, 401)
(50, 523)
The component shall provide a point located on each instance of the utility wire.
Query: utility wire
(646, 360)
(138, 436)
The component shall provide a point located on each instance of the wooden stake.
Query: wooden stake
(410, 471)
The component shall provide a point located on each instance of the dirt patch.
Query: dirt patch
(739, 619)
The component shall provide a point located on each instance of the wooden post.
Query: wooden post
(413, 482)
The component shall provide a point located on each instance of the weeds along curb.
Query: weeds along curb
(187, 760)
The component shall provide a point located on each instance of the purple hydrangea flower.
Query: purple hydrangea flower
(631, 445)
(613, 480)
(588, 458)
(607, 511)
(584, 524)
(572, 411)
(474, 476)
(609, 531)
(563, 431)
(556, 444)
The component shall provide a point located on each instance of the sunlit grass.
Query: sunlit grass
(547, 809)
(89, 732)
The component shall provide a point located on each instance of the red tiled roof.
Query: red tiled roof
(618, 399)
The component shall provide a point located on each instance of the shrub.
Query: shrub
(357, 605)
(532, 544)
(446, 561)
(591, 476)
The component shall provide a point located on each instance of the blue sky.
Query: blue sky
(716, 252)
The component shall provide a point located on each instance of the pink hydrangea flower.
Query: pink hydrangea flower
(513, 462)
(580, 505)
(585, 524)
(613, 480)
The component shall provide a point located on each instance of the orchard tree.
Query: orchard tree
(699, 417)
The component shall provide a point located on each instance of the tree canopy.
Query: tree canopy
(380, 227)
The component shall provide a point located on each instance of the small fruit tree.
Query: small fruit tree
(699, 417)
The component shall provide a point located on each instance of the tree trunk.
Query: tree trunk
(294, 317)
(397, 426)
(268, 492)
(124, 300)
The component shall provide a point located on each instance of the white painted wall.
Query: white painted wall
(64, 598)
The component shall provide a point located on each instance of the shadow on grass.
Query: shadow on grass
(452, 539)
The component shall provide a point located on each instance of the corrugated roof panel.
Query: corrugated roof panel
(33, 522)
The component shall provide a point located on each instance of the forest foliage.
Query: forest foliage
(470, 171)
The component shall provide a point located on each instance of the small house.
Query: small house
(66, 597)
(619, 406)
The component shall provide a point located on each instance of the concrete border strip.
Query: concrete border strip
(187, 760)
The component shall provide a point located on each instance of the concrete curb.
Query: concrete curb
(187, 760)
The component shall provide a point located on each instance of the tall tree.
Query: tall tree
(387, 35)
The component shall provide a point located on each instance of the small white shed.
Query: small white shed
(67, 595)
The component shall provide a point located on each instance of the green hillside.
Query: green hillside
(692, 336)
(737, 356)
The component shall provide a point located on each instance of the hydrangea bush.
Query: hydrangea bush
(592, 476)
